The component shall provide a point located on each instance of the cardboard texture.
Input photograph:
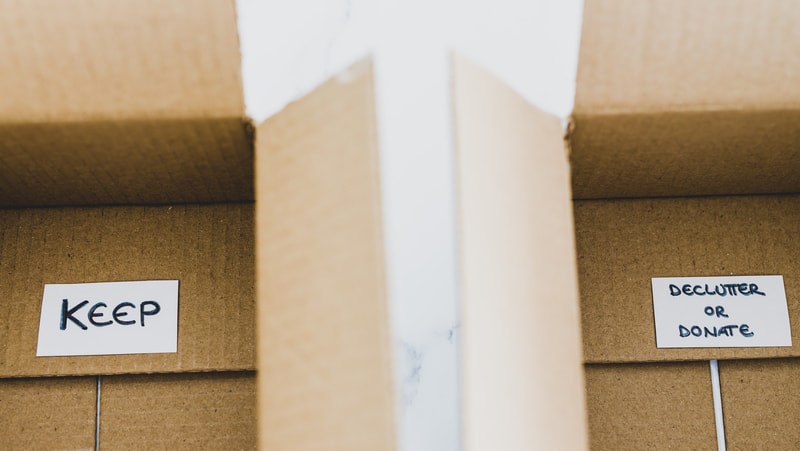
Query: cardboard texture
(47, 413)
(759, 403)
(179, 411)
(686, 98)
(121, 102)
(518, 285)
(650, 406)
(145, 161)
(324, 368)
(109, 108)
(209, 249)
(623, 243)
(677, 99)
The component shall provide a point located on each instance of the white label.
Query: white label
(720, 312)
(109, 318)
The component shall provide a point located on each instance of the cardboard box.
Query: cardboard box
(325, 376)
(125, 155)
(682, 144)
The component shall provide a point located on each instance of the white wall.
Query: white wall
(290, 46)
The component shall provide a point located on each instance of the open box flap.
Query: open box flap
(686, 98)
(522, 373)
(90, 60)
(324, 361)
(121, 102)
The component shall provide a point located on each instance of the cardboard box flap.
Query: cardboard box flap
(518, 283)
(686, 98)
(121, 102)
(208, 249)
(324, 361)
(89, 60)
(622, 244)
(663, 55)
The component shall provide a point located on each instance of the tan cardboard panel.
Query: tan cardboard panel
(687, 153)
(324, 366)
(760, 403)
(650, 406)
(94, 59)
(518, 277)
(209, 249)
(622, 244)
(178, 411)
(666, 55)
(131, 162)
(48, 413)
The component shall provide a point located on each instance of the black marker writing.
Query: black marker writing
(96, 313)
(726, 289)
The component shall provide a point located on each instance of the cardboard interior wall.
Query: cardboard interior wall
(325, 370)
(523, 383)
(124, 155)
(678, 99)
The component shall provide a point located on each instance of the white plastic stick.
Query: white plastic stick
(715, 389)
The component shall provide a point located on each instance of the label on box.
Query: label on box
(721, 312)
(109, 318)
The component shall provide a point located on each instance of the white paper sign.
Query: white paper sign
(720, 312)
(109, 318)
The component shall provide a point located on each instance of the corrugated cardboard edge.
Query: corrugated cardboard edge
(522, 372)
(324, 362)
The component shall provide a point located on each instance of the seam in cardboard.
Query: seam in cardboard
(627, 110)
(569, 129)
(97, 417)
(683, 196)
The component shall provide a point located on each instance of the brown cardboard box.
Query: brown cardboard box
(682, 150)
(683, 146)
(323, 320)
(125, 155)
